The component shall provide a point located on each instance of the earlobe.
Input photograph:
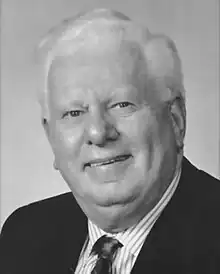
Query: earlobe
(178, 118)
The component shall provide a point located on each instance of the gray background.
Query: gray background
(26, 159)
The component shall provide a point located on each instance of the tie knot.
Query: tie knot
(106, 247)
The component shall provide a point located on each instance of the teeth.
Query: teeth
(111, 161)
(103, 163)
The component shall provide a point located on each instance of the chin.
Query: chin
(111, 219)
(117, 218)
(111, 215)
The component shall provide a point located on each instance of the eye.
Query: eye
(72, 113)
(122, 104)
(123, 108)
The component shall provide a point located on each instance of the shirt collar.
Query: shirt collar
(133, 238)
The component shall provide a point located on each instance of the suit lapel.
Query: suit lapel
(74, 232)
(79, 233)
(75, 248)
(170, 234)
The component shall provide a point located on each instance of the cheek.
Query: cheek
(148, 138)
(142, 131)
(67, 143)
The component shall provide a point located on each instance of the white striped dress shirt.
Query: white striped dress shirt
(132, 238)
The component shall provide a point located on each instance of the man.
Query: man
(113, 109)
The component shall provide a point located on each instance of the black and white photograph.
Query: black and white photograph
(110, 137)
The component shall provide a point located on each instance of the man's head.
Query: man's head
(113, 110)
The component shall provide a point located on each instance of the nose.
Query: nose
(100, 130)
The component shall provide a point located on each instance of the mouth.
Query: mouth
(107, 161)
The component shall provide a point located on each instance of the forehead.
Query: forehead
(109, 64)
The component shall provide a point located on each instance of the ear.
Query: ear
(46, 127)
(178, 119)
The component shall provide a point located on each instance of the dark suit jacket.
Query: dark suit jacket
(46, 237)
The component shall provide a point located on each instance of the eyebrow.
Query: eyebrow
(68, 102)
(74, 103)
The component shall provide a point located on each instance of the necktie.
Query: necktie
(105, 247)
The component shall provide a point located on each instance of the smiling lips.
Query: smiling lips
(107, 161)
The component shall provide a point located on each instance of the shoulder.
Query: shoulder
(200, 196)
(41, 213)
(196, 204)
(38, 216)
(202, 188)
(197, 176)
(40, 222)
(200, 179)
(41, 231)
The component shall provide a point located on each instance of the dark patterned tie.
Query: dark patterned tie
(105, 247)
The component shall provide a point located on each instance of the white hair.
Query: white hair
(100, 25)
